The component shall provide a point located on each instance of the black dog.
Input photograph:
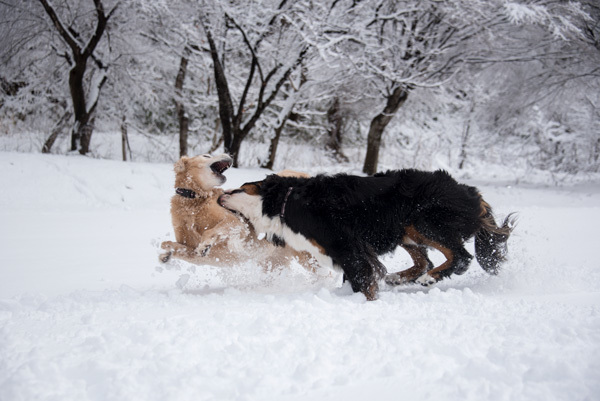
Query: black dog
(347, 221)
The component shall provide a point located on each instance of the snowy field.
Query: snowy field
(88, 313)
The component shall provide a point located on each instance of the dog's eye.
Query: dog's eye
(207, 156)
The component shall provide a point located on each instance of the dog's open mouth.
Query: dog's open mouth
(221, 201)
(219, 167)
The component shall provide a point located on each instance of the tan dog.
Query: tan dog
(206, 233)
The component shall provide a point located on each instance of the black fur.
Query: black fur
(277, 240)
(355, 219)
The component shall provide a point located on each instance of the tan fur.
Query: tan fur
(292, 173)
(208, 234)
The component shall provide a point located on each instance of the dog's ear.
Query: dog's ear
(252, 188)
(181, 164)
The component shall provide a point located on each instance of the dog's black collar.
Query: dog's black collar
(287, 195)
(186, 193)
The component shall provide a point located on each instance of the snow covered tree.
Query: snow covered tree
(545, 108)
(254, 48)
(31, 90)
(78, 55)
(177, 70)
(46, 43)
(318, 72)
(397, 46)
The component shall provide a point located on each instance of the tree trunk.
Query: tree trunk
(217, 138)
(465, 138)
(56, 132)
(463, 147)
(225, 103)
(78, 100)
(84, 113)
(86, 136)
(335, 129)
(179, 106)
(125, 139)
(234, 148)
(82, 131)
(378, 124)
(233, 131)
(275, 144)
(183, 132)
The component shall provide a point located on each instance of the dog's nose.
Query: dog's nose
(222, 198)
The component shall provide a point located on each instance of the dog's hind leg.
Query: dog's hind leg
(457, 257)
(421, 264)
(457, 260)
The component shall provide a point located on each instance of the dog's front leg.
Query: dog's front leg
(221, 233)
(176, 250)
(211, 237)
(362, 271)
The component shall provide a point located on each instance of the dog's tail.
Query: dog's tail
(490, 240)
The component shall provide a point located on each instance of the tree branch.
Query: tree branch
(261, 106)
(64, 33)
(253, 67)
(225, 103)
(100, 27)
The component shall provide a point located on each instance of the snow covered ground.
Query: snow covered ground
(87, 312)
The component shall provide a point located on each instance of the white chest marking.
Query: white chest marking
(300, 243)
(251, 207)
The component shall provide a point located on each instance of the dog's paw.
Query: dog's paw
(165, 257)
(204, 251)
(209, 239)
(395, 279)
(169, 246)
(426, 280)
(371, 291)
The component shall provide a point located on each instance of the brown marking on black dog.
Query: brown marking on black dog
(489, 223)
(420, 265)
(371, 292)
(417, 237)
(251, 188)
(319, 247)
(485, 208)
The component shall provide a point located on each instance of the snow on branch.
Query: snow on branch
(97, 82)
(556, 17)
(62, 30)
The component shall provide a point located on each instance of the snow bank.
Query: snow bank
(86, 312)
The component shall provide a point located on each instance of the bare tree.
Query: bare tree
(179, 56)
(267, 67)
(179, 106)
(530, 68)
(335, 130)
(545, 110)
(397, 46)
(78, 55)
(394, 101)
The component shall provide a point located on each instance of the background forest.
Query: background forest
(504, 94)
(370, 84)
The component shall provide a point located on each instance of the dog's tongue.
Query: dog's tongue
(221, 166)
